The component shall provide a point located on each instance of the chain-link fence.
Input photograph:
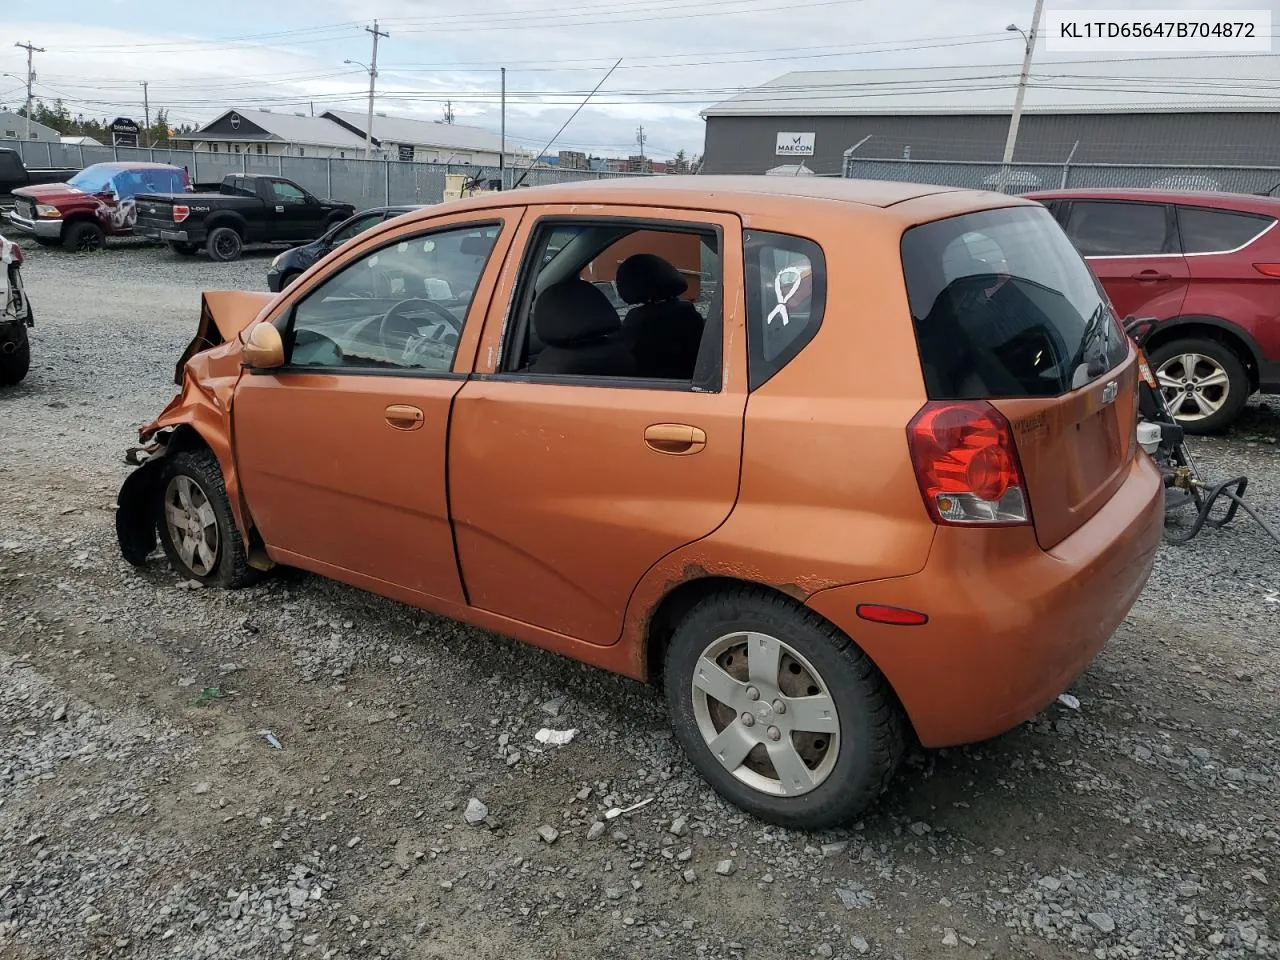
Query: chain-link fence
(366, 183)
(1026, 177)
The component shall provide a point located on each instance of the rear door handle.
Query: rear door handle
(679, 439)
(404, 417)
(1151, 275)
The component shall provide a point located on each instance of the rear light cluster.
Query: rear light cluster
(180, 212)
(1268, 269)
(966, 464)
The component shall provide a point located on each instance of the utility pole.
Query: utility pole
(31, 75)
(373, 75)
(448, 111)
(1016, 118)
(640, 139)
(146, 110)
(502, 144)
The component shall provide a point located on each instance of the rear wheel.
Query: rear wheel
(83, 237)
(779, 711)
(182, 248)
(15, 354)
(224, 244)
(1203, 381)
(197, 530)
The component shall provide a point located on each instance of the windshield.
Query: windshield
(93, 179)
(1004, 306)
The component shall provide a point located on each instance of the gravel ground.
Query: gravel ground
(288, 770)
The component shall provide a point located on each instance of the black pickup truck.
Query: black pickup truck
(14, 173)
(247, 208)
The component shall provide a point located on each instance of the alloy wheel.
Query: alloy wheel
(1195, 386)
(192, 525)
(766, 714)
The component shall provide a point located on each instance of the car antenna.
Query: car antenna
(565, 124)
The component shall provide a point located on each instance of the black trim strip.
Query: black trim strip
(574, 380)
(414, 373)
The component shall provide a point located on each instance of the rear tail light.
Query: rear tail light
(16, 256)
(1268, 269)
(180, 212)
(1144, 369)
(966, 464)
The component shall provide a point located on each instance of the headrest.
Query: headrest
(572, 311)
(646, 277)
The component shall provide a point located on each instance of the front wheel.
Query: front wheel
(197, 530)
(779, 711)
(15, 354)
(83, 237)
(224, 244)
(1204, 383)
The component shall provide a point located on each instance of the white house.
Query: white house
(275, 133)
(400, 138)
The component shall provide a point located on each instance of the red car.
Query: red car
(1207, 266)
(98, 202)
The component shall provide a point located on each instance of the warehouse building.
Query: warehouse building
(1210, 111)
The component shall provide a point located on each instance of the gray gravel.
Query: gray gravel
(145, 811)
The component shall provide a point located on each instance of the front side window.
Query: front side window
(1004, 306)
(1114, 229)
(786, 296)
(402, 306)
(287, 193)
(617, 298)
(1218, 231)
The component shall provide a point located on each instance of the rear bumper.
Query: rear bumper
(1010, 626)
(44, 229)
(162, 233)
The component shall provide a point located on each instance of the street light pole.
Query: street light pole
(1014, 120)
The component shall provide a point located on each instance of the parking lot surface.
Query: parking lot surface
(288, 769)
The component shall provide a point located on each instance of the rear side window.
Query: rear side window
(1112, 229)
(1217, 231)
(786, 295)
(1004, 306)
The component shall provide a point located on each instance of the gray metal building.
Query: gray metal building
(1210, 111)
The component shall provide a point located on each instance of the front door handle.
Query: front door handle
(675, 438)
(404, 417)
(1149, 276)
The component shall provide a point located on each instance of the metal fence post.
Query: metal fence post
(49, 146)
(195, 166)
(280, 163)
(386, 173)
(244, 163)
(328, 176)
(82, 156)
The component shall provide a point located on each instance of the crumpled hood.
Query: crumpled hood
(223, 314)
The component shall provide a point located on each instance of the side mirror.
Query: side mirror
(264, 347)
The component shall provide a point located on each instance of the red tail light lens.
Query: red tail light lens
(180, 212)
(966, 464)
(17, 253)
(1268, 269)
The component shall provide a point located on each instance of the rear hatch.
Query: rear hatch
(1006, 311)
(156, 211)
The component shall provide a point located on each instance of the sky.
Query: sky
(677, 56)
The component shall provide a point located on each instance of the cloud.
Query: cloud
(678, 57)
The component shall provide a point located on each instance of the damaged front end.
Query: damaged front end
(198, 416)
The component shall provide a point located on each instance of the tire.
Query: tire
(1230, 396)
(15, 354)
(851, 768)
(218, 558)
(83, 237)
(183, 249)
(288, 278)
(224, 244)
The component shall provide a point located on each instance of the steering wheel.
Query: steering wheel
(395, 324)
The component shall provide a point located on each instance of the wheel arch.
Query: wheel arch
(226, 218)
(1212, 328)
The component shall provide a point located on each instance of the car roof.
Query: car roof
(140, 165)
(735, 193)
(1220, 199)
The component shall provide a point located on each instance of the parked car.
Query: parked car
(15, 317)
(98, 202)
(869, 487)
(247, 208)
(1206, 265)
(14, 173)
(288, 266)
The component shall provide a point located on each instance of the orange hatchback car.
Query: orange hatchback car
(841, 462)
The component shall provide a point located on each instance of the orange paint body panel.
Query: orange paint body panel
(564, 512)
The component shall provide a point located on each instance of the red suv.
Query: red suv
(1207, 266)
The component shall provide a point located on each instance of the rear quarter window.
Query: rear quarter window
(786, 296)
(1004, 306)
(1217, 231)
(1108, 228)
